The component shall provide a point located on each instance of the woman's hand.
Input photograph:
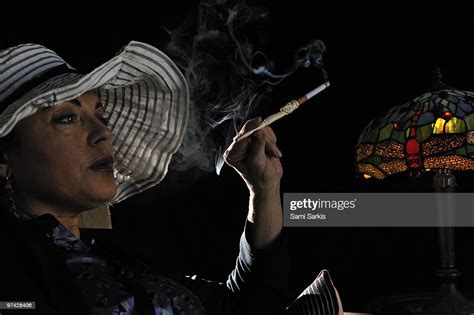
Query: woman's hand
(256, 158)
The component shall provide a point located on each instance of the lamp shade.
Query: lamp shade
(432, 131)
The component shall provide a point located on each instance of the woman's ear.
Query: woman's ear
(3, 170)
(3, 165)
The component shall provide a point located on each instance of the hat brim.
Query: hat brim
(146, 101)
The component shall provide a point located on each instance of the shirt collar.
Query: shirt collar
(49, 226)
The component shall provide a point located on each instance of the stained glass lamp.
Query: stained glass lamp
(432, 132)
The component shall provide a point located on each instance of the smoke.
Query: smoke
(227, 76)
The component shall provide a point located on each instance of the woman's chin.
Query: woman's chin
(109, 194)
(102, 192)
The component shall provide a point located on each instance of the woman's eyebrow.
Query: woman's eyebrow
(78, 103)
(75, 102)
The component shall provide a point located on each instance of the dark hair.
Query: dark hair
(5, 145)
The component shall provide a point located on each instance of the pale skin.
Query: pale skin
(66, 139)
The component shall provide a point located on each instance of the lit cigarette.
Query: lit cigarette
(287, 109)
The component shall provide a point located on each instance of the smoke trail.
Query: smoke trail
(227, 77)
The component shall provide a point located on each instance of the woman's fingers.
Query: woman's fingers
(270, 133)
(249, 125)
(272, 147)
(238, 150)
(262, 142)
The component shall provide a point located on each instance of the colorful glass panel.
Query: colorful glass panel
(470, 137)
(390, 149)
(374, 160)
(439, 126)
(426, 118)
(434, 130)
(370, 170)
(423, 133)
(464, 108)
(453, 162)
(461, 151)
(455, 125)
(442, 143)
(364, 151)
(393, 166)
(372, 136)
(385, 132)
(398, 136)
(469, 121)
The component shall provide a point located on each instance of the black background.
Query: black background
(379, 55)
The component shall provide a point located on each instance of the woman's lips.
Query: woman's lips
(104, 164)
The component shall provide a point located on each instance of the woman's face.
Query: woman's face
(61, 158)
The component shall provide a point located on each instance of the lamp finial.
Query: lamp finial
(438, 84)
(437, 76)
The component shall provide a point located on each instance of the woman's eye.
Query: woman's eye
(66, 119)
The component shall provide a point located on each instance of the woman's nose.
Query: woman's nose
(99, 132)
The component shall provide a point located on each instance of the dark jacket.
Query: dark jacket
(32, 269)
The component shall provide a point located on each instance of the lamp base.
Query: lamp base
(448, 301)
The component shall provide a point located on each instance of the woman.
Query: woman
(74, 142)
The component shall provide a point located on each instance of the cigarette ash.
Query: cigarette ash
(228, 76)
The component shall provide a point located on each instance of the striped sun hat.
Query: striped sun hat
(145, 98)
